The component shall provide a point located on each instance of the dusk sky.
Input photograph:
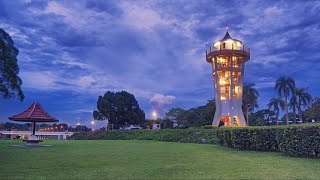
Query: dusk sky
(73, 51)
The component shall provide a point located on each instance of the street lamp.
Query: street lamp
(80, 127)
(154, 115)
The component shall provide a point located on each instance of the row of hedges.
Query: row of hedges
(191, 135)
(295, 140)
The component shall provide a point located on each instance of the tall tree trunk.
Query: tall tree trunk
(287, 111)
(300, 111)
(247, 114)
(295, 116)
(277, 118)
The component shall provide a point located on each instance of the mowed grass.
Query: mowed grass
(147, 160)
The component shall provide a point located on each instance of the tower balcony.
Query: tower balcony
(213, 52)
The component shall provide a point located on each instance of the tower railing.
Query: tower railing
(213, 49)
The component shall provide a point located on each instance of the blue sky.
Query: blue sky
(73, 51)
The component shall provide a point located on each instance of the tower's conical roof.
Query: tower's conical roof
(227, 36)
(35, 113)
(226, 39)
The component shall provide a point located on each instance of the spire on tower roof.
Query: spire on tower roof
(227, 36)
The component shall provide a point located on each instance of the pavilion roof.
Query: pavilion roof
(35, 113)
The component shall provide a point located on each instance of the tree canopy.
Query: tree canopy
(285, 86)
(119, 108)
(313, 112)
(10, 82)
(249, 99)
(262, 117)
(199, 116)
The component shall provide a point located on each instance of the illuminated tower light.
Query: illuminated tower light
(227, 58)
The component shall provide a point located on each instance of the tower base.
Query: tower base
(231, 121)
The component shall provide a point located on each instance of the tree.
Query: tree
(174, 113)
(249, 99)
(293, 104)
(199, 116)
(285, 86)
(262, 117)
(313, 112)
(10, 82)
(276, 104)
(119, 108)
(304, 99)
(166, 123)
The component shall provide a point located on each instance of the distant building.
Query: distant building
(156, 126)
(132, 127)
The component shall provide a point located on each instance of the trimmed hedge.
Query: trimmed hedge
(192, 135)
(293, 140)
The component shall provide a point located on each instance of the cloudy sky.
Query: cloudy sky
(73, 51)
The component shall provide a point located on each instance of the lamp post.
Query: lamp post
(92, 123)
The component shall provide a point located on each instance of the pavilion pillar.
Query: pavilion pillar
(34, 128)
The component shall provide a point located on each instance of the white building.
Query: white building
(227, 58)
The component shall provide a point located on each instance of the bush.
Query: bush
(192, 135)
(293, 140)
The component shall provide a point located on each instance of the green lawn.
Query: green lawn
(147, 160)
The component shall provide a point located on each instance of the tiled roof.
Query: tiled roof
(35, 113)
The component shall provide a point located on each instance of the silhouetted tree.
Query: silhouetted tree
(276, 104)
(119, 108)
(249, 99)
(304, 99)
(10, 82)
(285, 86)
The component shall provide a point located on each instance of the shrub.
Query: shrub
(191, 135)
(293, 140)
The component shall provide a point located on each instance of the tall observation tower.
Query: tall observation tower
(227, 58)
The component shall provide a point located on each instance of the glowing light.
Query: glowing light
(78, 124)
(154, 114)
(222, 82)
(92, 122)
(236, 89)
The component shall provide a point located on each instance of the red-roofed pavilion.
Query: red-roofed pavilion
(35, 113)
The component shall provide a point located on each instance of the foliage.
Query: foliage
(119, 108)
(193, 117)
(191, 135)
(285, 86)
(293, 140)
(174, 113)
(262, 117)
(166, 124)
(8, 126)
(249, 99)
(276, 104)
(304, 99)
(313, 112)
(10, 82)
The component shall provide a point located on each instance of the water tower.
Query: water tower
(227, 58)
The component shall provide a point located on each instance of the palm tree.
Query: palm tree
(294, 104)
(285, 86)
(304, 99)
(249, 99)
(276, 104)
